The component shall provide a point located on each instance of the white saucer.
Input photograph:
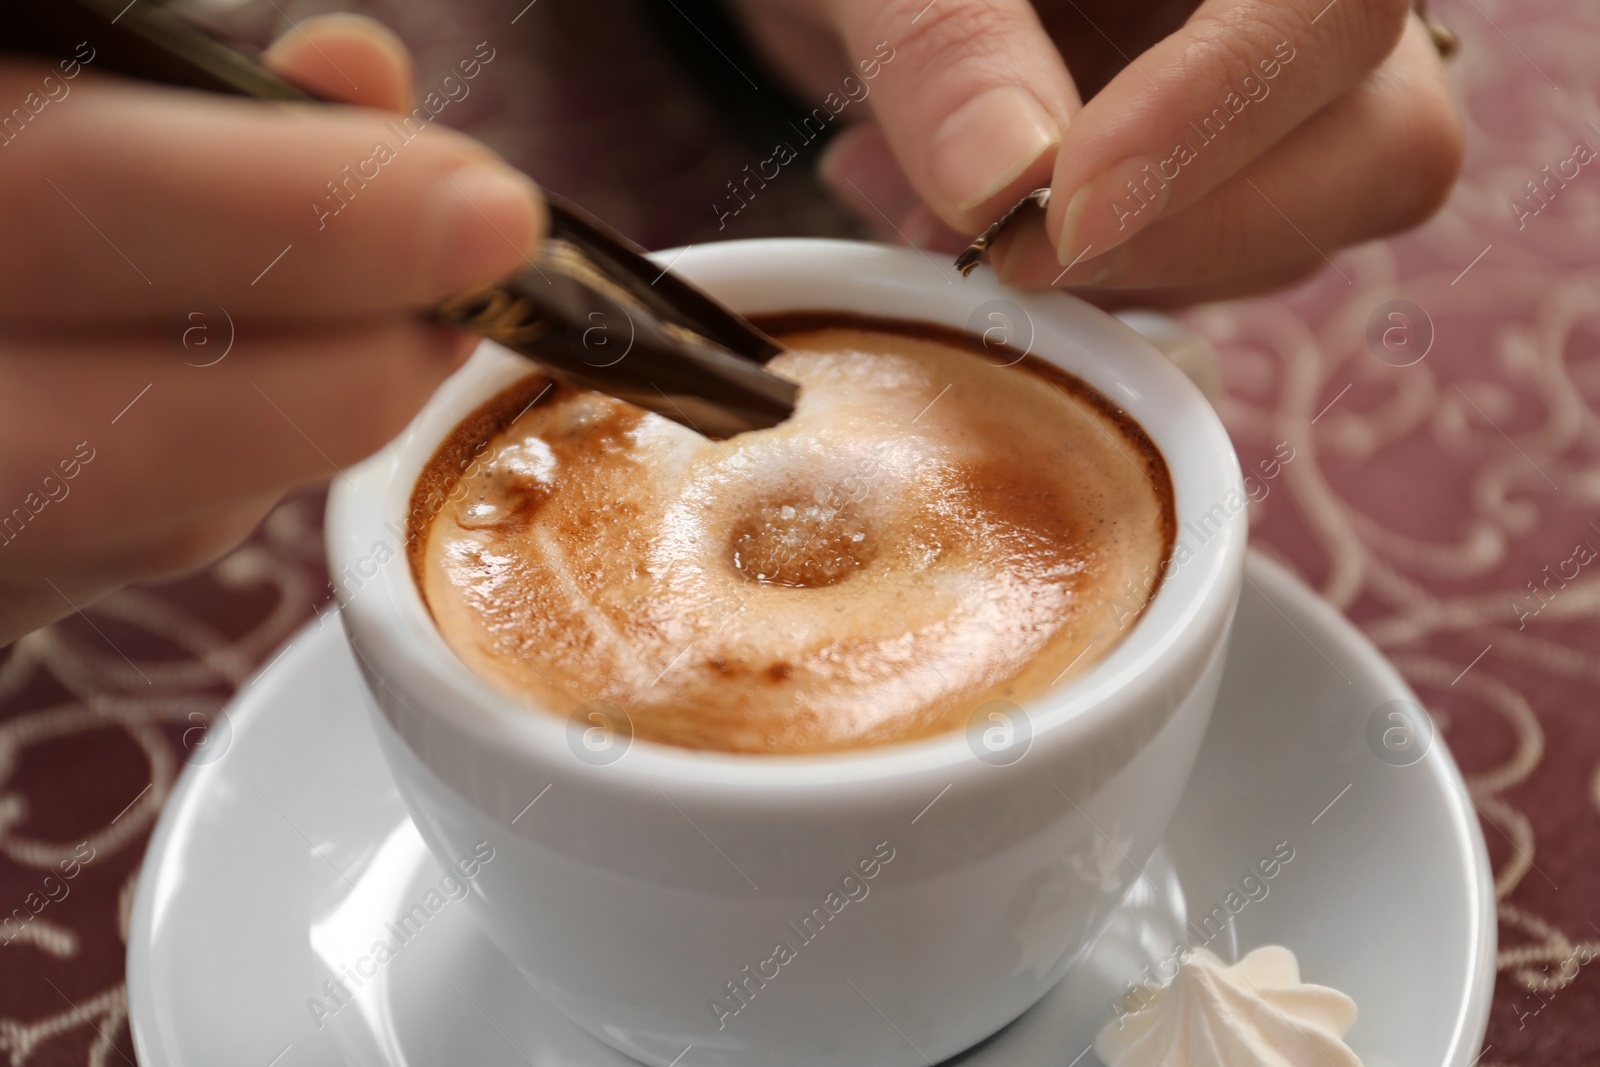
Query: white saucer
(292, 843)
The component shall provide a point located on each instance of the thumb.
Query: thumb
(973, 97)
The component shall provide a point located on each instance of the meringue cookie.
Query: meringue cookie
(1254, 1013)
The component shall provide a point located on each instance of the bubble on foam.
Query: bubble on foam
(799, 508)
(530, 459)
(483, 514)
(799, 544)
(519, 477)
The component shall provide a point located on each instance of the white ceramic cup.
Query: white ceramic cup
(890, 906)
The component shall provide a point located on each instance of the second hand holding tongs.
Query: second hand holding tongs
(592, 308)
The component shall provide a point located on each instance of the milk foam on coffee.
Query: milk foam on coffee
(931, 530)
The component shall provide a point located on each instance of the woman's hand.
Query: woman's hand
(185, 333)
(1231, 152)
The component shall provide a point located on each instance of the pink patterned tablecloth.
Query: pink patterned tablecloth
(1451, 507)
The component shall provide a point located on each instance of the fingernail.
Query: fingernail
(1109, 209)
(1029, 262)
(491, 222)
(302, 54)
(350, 24)
(988, 144)
(1068, 248)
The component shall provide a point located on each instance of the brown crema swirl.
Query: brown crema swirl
(939, 525)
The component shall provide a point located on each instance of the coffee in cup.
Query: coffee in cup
(941, 524)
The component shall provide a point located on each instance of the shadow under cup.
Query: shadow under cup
(891, 905)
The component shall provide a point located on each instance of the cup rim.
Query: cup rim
(385, 611)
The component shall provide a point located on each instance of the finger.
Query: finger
(132, 201)
(345, 57)
(860, 168)
(925, 230)
(155, 439)
(973, 97)
(1201, 105)
(59, 583)
(106, 559)
(1379, 160)
(1276, 277)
